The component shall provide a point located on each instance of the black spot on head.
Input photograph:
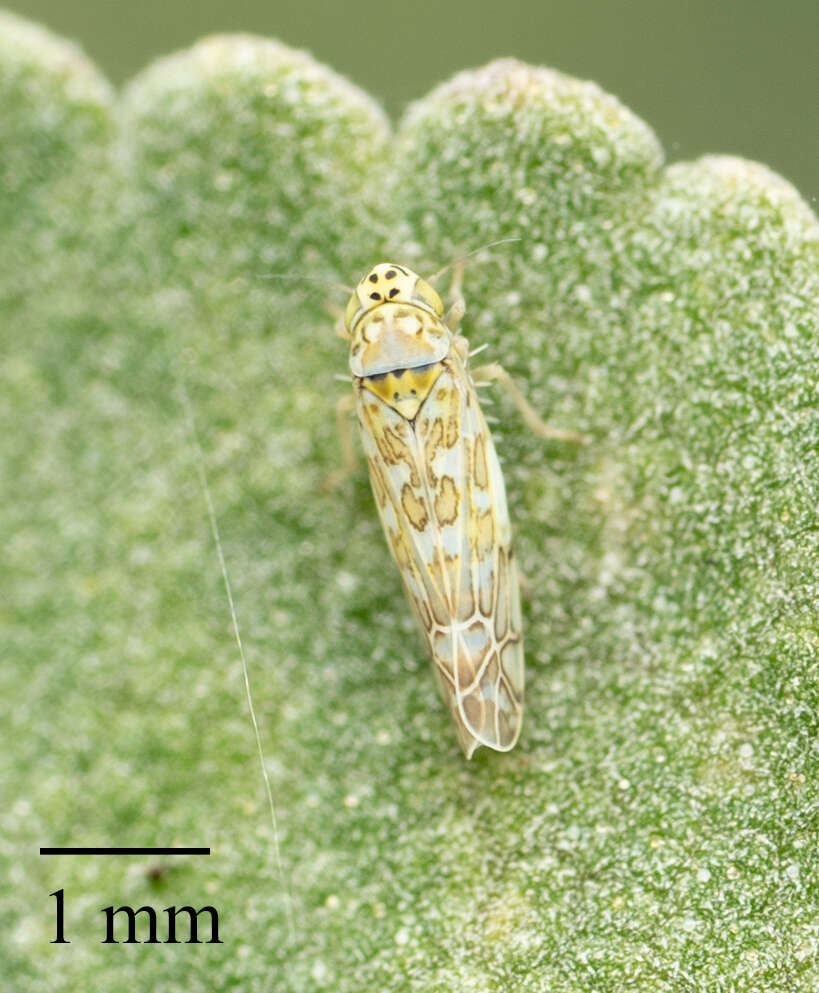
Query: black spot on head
(373, 277)
(395, 396)
(375, 296)
(414, 392)
(394, 292)
(390, 274)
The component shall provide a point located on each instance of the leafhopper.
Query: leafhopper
(440, 494)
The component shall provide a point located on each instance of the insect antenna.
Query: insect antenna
(307, 279)
(475, 251)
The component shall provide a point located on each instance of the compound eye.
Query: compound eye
(429, 296)
(353, 307)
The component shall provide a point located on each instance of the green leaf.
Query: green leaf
(166, 265)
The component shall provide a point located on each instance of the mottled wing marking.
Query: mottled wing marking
(440, 494)
(397, 484)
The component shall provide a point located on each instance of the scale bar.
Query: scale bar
(125, 851)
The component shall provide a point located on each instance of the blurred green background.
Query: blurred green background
(734, 76)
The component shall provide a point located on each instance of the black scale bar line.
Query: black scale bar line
(125, 851)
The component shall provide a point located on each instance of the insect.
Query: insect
(440, 493)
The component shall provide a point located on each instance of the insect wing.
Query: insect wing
(440, 494)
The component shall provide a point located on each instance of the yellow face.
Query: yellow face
(390, 283)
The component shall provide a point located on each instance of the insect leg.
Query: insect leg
(457, 308)
(338, 316)
(495, 371)
(349, 458)
(341, 329)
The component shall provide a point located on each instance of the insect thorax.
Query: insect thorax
(397, 353)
